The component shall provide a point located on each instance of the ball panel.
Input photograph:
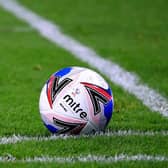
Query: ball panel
(64, 124)
(51, 128)
(43, 102)
(108, 109)
(63, 72)
(71, 102)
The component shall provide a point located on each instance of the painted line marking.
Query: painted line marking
(117, 74)
(18, 138)
(88, 158)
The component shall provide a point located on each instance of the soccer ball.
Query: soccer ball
(76, 100)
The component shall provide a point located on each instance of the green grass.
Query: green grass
(21, 83)
(133, 34)
(131, 164)
(102, 145)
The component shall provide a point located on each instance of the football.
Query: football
(76, 100)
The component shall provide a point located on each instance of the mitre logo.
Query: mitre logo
(74, 106)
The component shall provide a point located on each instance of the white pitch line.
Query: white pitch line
(117, 74)
(18, 138)
(88, 158)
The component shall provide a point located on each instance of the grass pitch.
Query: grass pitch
(133, 34)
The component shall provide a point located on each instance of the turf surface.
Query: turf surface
(26, 65)
(103, 145)
(132, 164)
(132, 34)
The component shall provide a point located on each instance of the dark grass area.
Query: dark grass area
(133, 34)
(25, 66)
(130, 164)
(27, 63)
(99, 145)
